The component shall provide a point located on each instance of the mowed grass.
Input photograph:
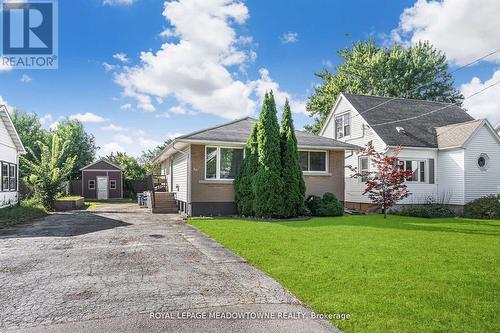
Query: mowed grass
(402, 274)
(90, 205)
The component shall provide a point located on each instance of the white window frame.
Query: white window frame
(426, 169)
(309, 172)
(360, 169)
(91, 181)
(111, 182)
(217, 168)
(343, 116)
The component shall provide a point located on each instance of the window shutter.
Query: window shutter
(431, 171)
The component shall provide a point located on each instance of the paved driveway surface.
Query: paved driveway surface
(107, 270)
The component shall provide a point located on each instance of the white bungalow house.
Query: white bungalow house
(454, 157)
(11, 148)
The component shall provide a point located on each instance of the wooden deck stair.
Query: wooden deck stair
(165, 203)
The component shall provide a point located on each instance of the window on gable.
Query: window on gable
(222, 162)
(313, 161)
(342, 126)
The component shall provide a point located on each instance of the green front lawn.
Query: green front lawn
(402, 274)
(89, 205)
(28, 211)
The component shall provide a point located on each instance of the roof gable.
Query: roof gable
(101, 164)
(457, 135)
(11, 130)
(389, 118)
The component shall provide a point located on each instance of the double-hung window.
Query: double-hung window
(222, 162)
(5, 176)
(313, 161)
(342, 126)
(91, 184)
(112, 184)
(12, 177)
(364, 168)
(418, 169)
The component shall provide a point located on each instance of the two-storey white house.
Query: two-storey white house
(11, 148)
(454, 157)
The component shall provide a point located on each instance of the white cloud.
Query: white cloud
(118, 2)
(120, 138)
(290, 37)
(54, 125)
(485, 104)
(146, 143)
(196, 68)
(163, 115)
(5, 67)
(121, 57)
(10, 109)
(109, 67)
(87, 117)
(172, 136)
(46, 119)
(111, 147)
(113, 128)
(26, 78)
(464, 29)
(177, 110)
(127, 106)
(265, 84)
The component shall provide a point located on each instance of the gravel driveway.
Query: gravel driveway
(109, 269)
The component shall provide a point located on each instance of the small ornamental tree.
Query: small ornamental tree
(267, 183)
(294, 187)
(384, 186)
(50, 171)
(243, 183)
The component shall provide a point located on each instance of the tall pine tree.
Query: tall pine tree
(243, 184)
(291, 172)
(268, 184)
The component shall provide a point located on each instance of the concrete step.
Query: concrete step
(165, 210)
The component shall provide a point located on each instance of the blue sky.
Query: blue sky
(221, 55)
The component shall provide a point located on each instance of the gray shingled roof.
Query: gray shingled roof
(238, 131)
(419, 132)
(457, 134)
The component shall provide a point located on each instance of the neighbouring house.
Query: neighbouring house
(200, 167)
(454, 157)
(11, 148)
(102, 180)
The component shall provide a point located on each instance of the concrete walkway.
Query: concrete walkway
(115, 268)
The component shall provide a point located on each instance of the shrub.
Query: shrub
(329, 205)
(483, 208)
(431, 210)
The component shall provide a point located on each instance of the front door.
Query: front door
(102, 188)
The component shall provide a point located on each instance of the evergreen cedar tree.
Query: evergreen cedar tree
(269, 182)
(244, 195)
(385, 186)
(419, 71)
(291, 172)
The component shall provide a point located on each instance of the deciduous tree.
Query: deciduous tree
(385, 185)
(419, 71)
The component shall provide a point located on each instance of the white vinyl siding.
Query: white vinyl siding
(8, 153)
(479, 183)
(450, 166)
(5, 138)
(180, 176)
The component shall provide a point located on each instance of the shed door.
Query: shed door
(102, 188)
